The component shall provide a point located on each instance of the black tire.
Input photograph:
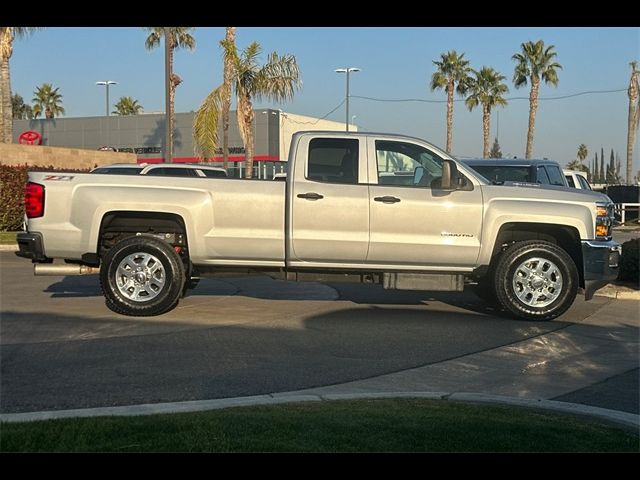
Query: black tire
(142, 276)
(536, 280)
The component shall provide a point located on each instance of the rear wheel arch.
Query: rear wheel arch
(117, 225)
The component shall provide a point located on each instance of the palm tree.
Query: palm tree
(47, 100)
(179, 37)
(486, 88)
(535, 63)
(7, 35)
(582, 152)
(21, 111)
(127, 106)
(276, 80)
(634, 116)
(452, 74)
(230, 38)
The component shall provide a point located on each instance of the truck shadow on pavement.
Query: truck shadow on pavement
(266, 288)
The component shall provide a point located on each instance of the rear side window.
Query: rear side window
(333, 160)
(570, 181)
(555, 175)
(118, 171)
(214, 173)
(172, 172)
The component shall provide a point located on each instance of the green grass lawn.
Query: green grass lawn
(389, 425)
(7, 238)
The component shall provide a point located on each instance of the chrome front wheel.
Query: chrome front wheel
(537, 282)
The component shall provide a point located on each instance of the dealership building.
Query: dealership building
(144, 135)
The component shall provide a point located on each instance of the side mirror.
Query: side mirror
(418, 174)
(450, 178)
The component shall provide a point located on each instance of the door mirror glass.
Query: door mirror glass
(418, 175)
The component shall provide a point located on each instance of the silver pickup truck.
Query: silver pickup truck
(364, 207)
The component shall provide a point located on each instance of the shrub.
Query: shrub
(630, 261)
(12, 181)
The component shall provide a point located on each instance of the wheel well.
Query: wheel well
(564, 236)
(166, 226)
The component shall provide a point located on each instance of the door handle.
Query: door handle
(387, 199)
(311, 196)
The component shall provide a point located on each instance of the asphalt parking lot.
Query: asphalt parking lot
(62, 348)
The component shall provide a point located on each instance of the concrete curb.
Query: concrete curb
(9, 248)
(628, 420)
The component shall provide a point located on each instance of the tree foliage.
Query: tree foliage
(276, 80)
(127, 106)
(47, 100)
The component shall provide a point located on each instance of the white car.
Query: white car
(162, 169)
(577, 179)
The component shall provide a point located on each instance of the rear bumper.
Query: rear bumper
(30, 246)
(600, 264)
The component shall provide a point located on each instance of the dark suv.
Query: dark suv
(546, 172)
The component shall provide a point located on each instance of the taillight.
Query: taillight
(34, 200)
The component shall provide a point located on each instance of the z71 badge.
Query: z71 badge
(60, 178)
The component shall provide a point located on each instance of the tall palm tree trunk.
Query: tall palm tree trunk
(631, 138)
(6, 118)
(172, 91)
(450, 88)
(245, 114)
(226, 98)
(486, 116)
(6, 127)
(632, 122)
(533, 106)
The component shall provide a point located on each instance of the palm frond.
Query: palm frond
(438, 80)
(205, 124)
(153, 40)
(278, 79)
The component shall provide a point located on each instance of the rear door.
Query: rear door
(329, 211)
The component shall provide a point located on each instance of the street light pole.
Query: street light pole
(347, 70)
(168, 39)
(106, 83)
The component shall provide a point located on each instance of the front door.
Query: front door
(413, 222)
(330, 203)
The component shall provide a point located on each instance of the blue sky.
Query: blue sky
(395, 62)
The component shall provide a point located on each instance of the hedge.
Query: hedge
(12, 181)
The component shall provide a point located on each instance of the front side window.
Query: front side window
(585, 184)
(406, 164)
(333, 160)
(570, 181)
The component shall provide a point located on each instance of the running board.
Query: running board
(423, 281)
